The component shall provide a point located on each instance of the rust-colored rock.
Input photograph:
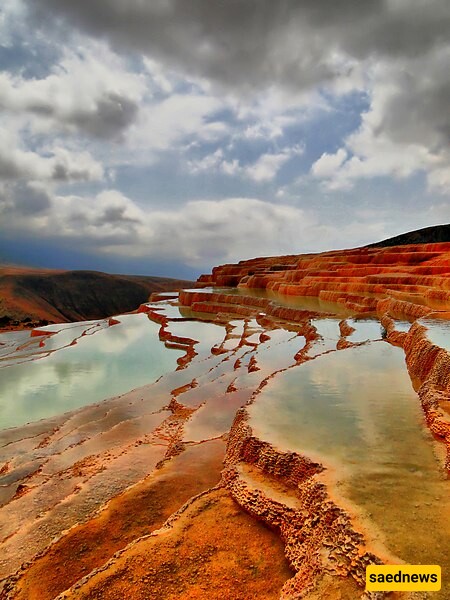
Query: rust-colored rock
(355, 278)
(217, 544)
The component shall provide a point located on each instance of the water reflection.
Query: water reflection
(109, 362)
(438, 331)
(355, 411)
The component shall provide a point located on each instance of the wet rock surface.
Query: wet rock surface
(172, 491)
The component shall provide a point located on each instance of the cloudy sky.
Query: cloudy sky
(167, 136)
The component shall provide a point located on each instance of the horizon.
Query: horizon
(163, 271)
(165, 139)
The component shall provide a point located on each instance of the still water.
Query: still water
(356, 412)
(438, 331)
(58, 377)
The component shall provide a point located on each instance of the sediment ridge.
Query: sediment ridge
(261, 521)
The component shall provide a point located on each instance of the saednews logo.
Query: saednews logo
(403, 578)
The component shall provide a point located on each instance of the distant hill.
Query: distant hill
(31, 295)
(427, 235)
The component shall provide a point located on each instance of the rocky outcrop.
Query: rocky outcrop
(138, 458)
(355, 278)
(318, 535)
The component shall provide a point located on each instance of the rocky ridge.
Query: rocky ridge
(31, 297)
(203, 410)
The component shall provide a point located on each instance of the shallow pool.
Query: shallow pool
(104, 362)
(355, 411)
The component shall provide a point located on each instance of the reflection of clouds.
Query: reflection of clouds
(365, 380)
(28, 391)
(279, 352)
(327, 328)
(18, 348)
(207, 334)
(9, 342)
(365, 329)
(112, 361)
(348, 403)
(117, 337)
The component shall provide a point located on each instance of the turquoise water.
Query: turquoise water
(105, 362)
(355, 412)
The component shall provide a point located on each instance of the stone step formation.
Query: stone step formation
(354, 278)
(187, 488)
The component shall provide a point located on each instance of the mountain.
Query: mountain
(427, 235)
(29, 295)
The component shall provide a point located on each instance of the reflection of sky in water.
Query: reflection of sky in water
(206, 334)
(107, 363)
(9, 342)
(59, 336)
(365, 329)
(331, 405)
(278, 352)
(328, 329)
(404, 326)
(438, 332)
(355, 411)
(167, 309)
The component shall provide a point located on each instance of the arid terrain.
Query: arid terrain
(303, 434)
(29, 296)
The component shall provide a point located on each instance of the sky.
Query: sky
(164, 137)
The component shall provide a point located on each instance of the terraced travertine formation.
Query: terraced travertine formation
(205, 484)
(356, 278)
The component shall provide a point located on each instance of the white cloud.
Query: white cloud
(57, 164)
(268, 165)
(167, 124)
(89, 91)
(210, 162)
(328, 164)
(199, 233)
(405, 131)
(264, 169)
(162, 80)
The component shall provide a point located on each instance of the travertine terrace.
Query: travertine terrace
(418, 273)
(173, 491)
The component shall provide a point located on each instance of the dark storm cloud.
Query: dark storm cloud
(23, 200)
(113, 115)
(107, 116)
(420, 110)
(9, 168)
(30, 201)
(247, 43)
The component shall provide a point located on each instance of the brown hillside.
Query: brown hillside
(32, 295)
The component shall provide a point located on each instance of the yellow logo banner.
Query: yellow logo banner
(403, 578)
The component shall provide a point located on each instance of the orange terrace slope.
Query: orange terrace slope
(177, 489)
